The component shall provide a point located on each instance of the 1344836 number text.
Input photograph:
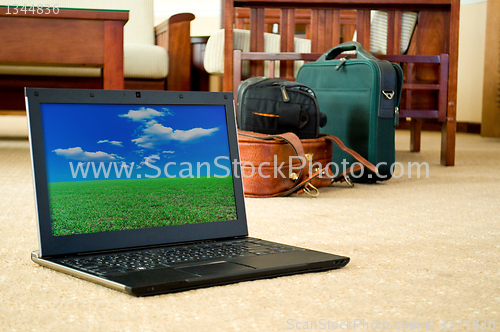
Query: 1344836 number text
(32, 9)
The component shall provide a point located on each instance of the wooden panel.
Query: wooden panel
(118, 15)
(112, 72)
(12, 87)
(394, 18)
(398, 30)
(321, 31)
(363, 28)
(336, 28)
(287, 30)
(227, 23)
(63, 36)
(179, 70)
(90, 38)
(272, 16)
(415, 135)
(490, 122)
(7, 112)
(137, 84)
(449, 128)
(314, 31)
(174, 36)
(287, 25)
(257, 38)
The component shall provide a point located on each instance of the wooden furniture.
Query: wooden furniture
(175, 36)
(437, 33)
(199, 76)
(490, 118)
(68, 38)
(240, 56)
(272, 16)
(84, 38)
(407, 108)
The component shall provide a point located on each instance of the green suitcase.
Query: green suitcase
(360, 97)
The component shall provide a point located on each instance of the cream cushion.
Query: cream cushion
(142, 58)
(214, 51)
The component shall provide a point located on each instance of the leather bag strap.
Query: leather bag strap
(300, 184)
(289, 138)
(353, 153)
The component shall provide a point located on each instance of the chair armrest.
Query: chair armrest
(174, 35)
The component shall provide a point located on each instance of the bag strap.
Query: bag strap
(353, 153)
(342, 176)
(292, 140)
(301, 186)
(399, 78)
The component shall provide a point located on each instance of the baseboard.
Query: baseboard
(13, 112)
(462, 127)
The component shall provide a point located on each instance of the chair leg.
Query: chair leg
(448, 140)
(415, 135)
(215, 83)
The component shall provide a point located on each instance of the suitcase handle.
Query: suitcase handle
(347, 46)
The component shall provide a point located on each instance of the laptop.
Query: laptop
(141, 191)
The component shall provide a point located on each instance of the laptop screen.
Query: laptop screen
(118, 167)
(114, 171)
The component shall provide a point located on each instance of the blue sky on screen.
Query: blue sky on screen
(138, 140)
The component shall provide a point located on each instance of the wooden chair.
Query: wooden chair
(273, 58)
(436, 34)
(408, 107)
(272, 16)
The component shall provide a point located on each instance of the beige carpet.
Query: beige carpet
(422, 250)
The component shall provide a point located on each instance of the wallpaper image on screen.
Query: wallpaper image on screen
(120, 167)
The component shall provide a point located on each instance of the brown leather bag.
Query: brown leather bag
(279, 165)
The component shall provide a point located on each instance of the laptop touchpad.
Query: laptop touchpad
(215, 268)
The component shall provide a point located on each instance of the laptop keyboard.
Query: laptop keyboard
(147, 259)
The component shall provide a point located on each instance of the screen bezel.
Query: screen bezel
(51, 245)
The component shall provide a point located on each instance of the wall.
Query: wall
(471, 60)
(207, 13)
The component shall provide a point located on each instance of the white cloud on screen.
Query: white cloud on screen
(155, 134)
(79, 154)
(142, 114)
(116, 143)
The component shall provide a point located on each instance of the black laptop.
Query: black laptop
(141, 191)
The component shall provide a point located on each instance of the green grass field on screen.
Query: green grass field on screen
(81, 207)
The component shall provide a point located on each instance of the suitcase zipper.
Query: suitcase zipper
(286, 99)
(342, 62)
(267, 115)
(300, 89)
(304, 91)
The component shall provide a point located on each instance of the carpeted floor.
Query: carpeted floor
(424, 252)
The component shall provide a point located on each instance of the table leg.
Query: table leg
(112, 72)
